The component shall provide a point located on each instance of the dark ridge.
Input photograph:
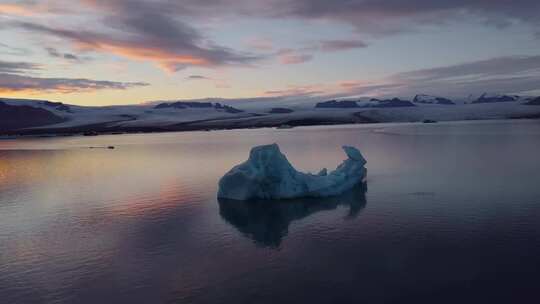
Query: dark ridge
(533, 102)
(51, 103)
(440, 100)
(445, 101)
(64, 108)
(184, 104)
(57, 105)
(347, 104)
(280, 111)
(393, 103)
(337, 104)
(232, 110)
(503, 98)
(198, 105)
(227, 108)
(195, 104)
(23, 116)
(163, 106)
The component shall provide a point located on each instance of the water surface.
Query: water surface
(451, 213)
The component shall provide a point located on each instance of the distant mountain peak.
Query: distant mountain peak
(491, 98)
(197, 105)
(429, 99)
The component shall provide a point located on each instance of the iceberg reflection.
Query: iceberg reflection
(267, 221)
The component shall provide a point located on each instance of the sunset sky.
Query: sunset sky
(99, 52)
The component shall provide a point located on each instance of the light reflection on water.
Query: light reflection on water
(452, 212)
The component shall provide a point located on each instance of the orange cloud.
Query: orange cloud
(289, 56)
(170, 53)
(17, 9)
(166, 60)
(351, 84)
(294, 90)
(22, 84)
(32, 9)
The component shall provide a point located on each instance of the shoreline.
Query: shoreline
(212, 125)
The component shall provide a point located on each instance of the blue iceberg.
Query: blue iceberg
(267, 174)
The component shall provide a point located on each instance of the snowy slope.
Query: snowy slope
(428, 99)
(256, 113)
(123, 116)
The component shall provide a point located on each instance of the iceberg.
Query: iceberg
(268, 175)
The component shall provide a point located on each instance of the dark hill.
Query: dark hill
(23, 116)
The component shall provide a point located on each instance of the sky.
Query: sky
(105, 52)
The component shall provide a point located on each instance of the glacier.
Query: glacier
(179, 116)
(267, 174)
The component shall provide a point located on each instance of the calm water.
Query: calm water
(451, 214)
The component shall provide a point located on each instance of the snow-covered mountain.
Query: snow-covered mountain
(533, 101)
(490, 98)
(428, 99)
(129, 116)
(372, 103)
(23, 116)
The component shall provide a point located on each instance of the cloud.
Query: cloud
(17, 77)
(163, 31)
(170, 51)
(512, 74)
(499, 66)
(380, 17)
(260, 44)
(11, 83)
(340, 45)
(10, 50)
(221, 84)
(218, 83)
(505, 75)
(297, 91)
(295, 58)
(16, 9)
(377, 17)
(145, 31)
(17, 67)
(304, 54)
(67, 56)
(197, 77)
(290, 56)
(32, 8)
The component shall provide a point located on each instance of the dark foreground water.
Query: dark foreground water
(451, 215)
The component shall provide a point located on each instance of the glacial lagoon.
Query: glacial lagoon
(450, 212)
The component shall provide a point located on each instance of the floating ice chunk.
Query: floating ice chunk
(267, 174)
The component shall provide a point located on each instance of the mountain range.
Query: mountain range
(31, 117)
